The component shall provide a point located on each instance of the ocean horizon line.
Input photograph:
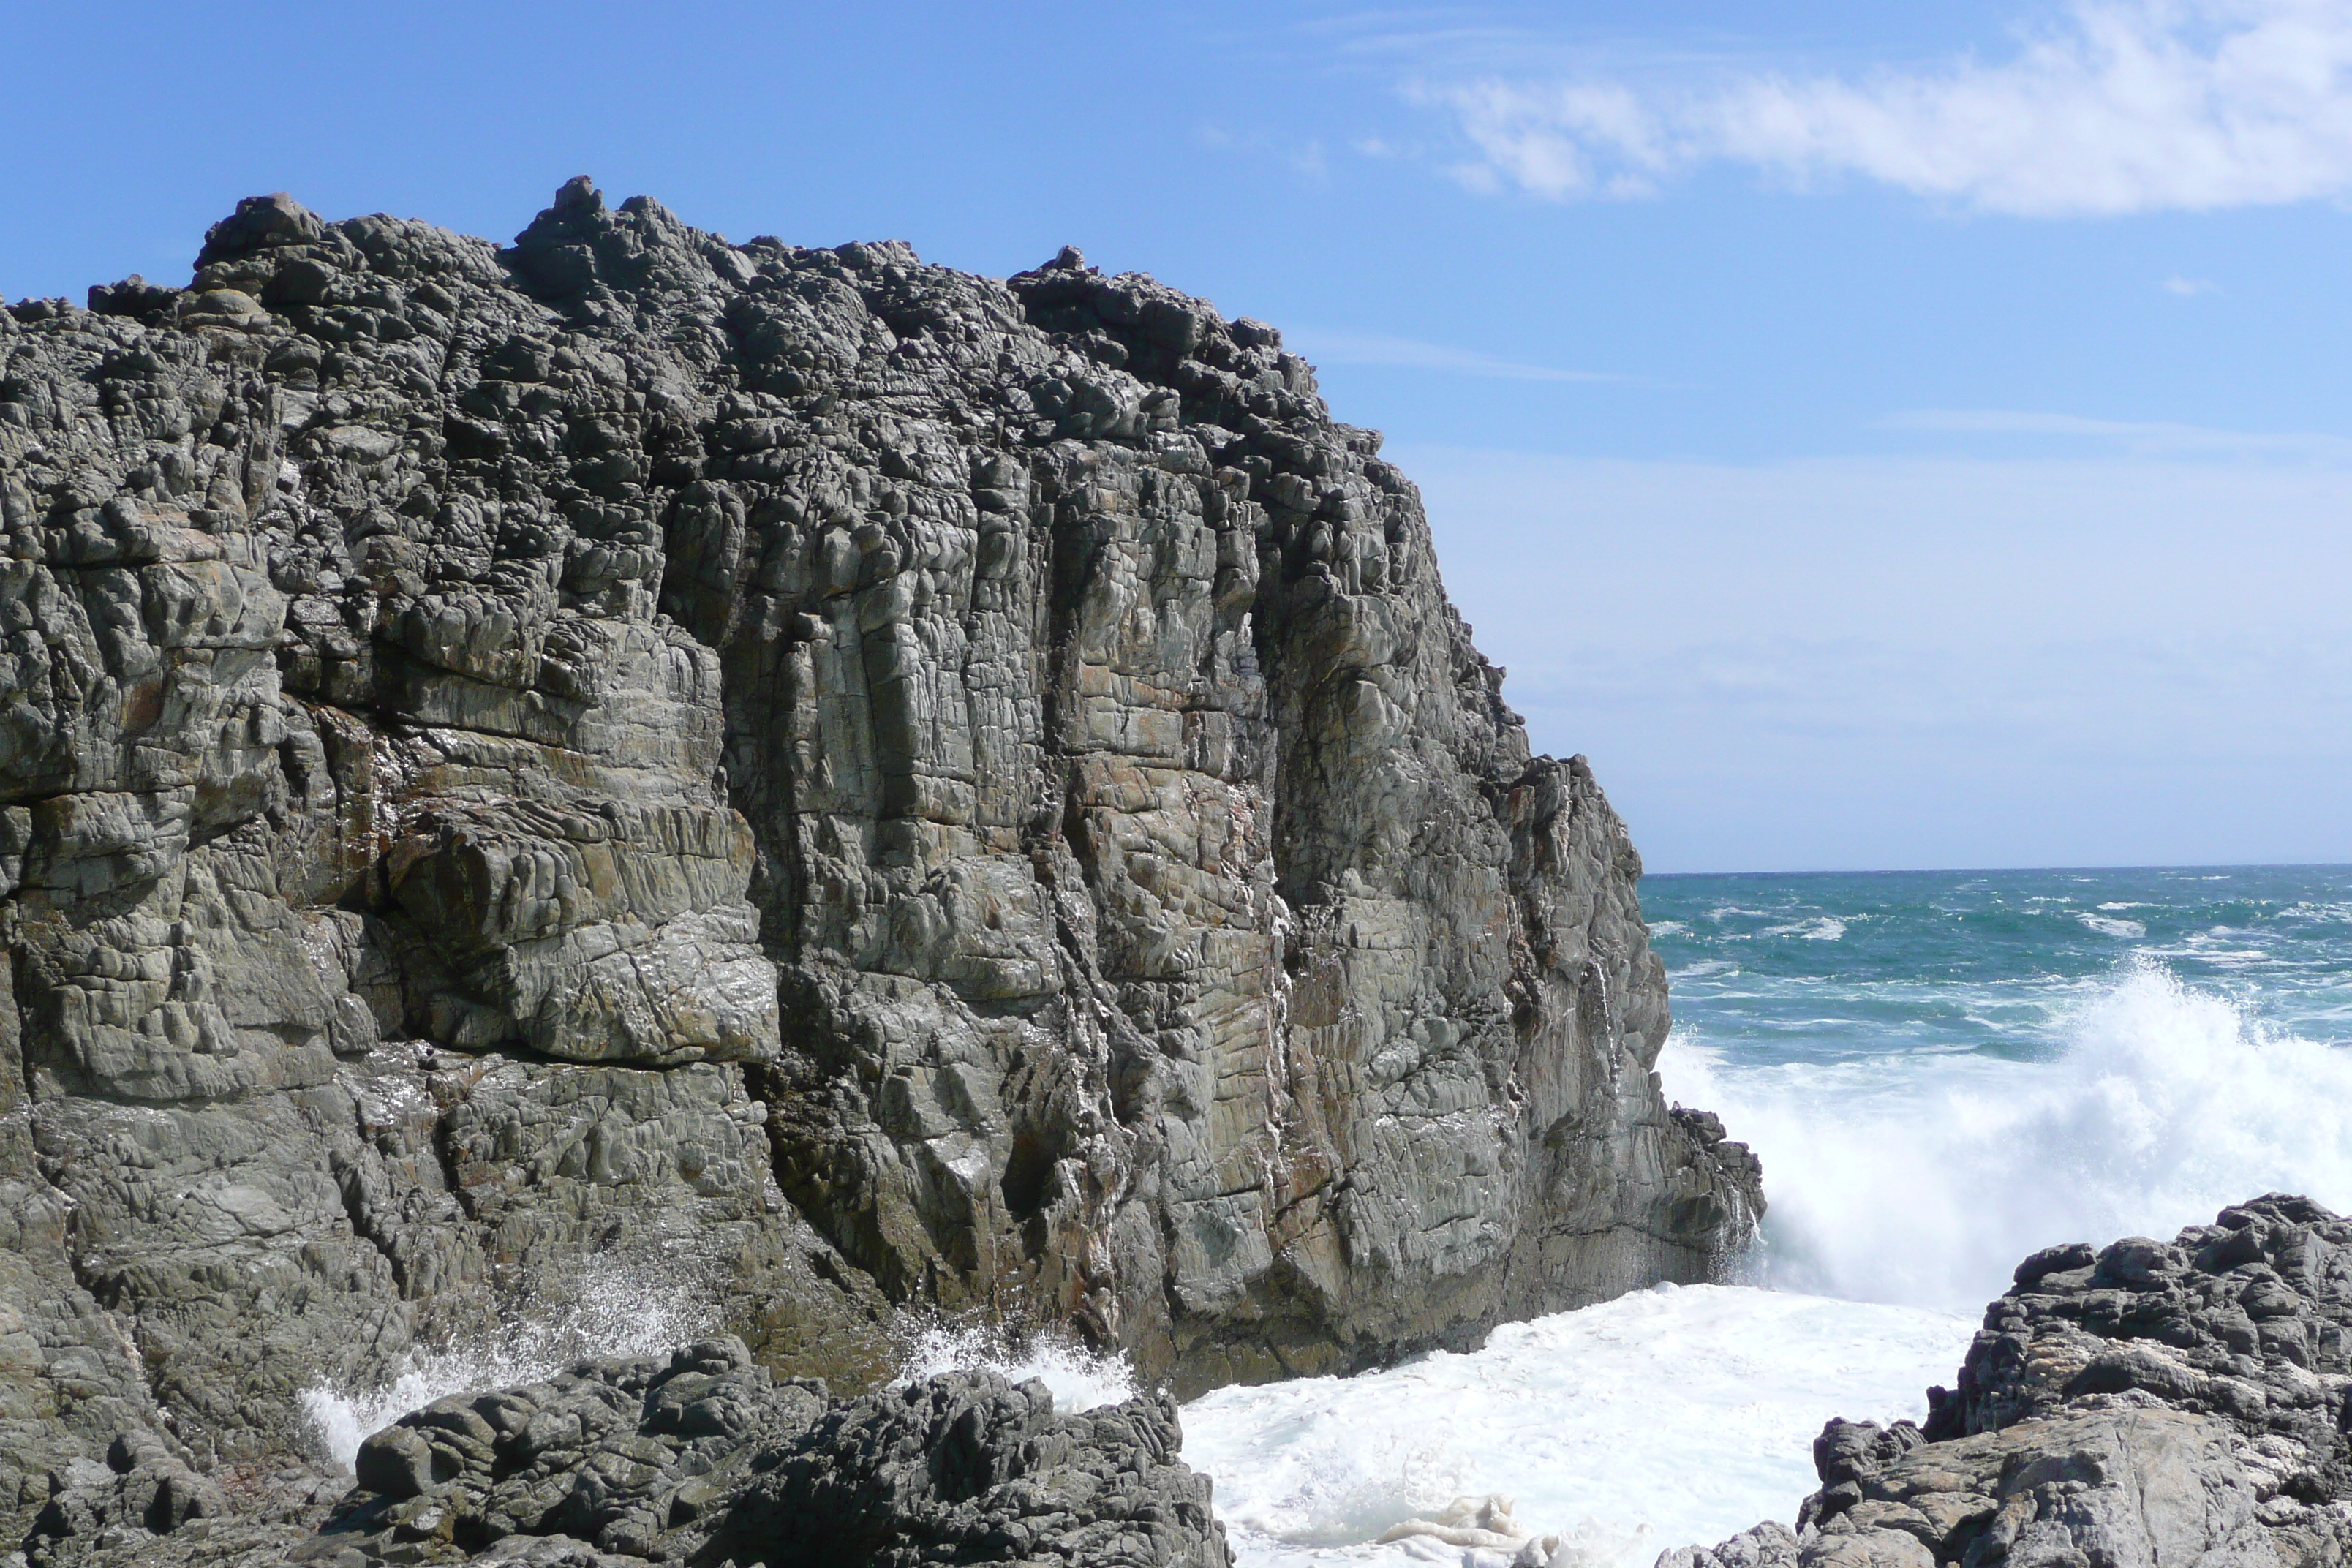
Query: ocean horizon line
(2224, 866)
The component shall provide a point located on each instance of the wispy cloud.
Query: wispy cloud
(2149, 437)
(1409, 353)
(2116, 105)
(2189, 288)
(1304, 159)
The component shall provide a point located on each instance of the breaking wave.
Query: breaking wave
(2108, 925)
(1081, 1379)
(612, 1309)
(1922, 1177)
(1821, 928)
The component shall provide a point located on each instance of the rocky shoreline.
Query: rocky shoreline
(2143, 1404)
(804, 788)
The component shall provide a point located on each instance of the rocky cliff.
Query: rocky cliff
(790, 784)
(2138, 1406)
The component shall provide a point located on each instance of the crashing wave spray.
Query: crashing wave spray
(1923, 1177)
(1081, 1379)
(613, 1307)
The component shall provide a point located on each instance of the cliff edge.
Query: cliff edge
(631, 780)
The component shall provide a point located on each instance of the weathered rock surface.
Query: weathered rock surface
(819, 784)
(700, 1456)
(2137, 1406)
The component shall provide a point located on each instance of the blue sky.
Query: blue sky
(1877, 436)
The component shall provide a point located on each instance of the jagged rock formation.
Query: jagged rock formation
(2140, 1405)
(815, 783)
(700, 1456)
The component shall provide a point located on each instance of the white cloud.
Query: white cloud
(2150, 438)
(2189, 288)
(2122, 106)
(1409, 354)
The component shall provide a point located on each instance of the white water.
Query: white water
(612, 1309)
(1922, 1178)
(1663, 1418)
(1081, 1379)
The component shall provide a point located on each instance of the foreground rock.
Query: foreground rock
(702, 1457)
(768, 785)
(2146, 1404)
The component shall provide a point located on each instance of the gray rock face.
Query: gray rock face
(819, 783)
(2145, 1403)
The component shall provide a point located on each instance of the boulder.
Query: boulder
(2141, 1404)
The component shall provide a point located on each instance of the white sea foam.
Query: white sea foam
(1923, 1177)
(1822, 928)
(1660, 1419)
(1081, 1379)
(612, 1307)
(2107, 925)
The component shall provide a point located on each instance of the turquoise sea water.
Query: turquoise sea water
(1944, 1070)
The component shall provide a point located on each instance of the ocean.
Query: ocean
(1942, 1071)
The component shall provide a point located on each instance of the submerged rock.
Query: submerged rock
(781, 785)
(2146, 1403)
